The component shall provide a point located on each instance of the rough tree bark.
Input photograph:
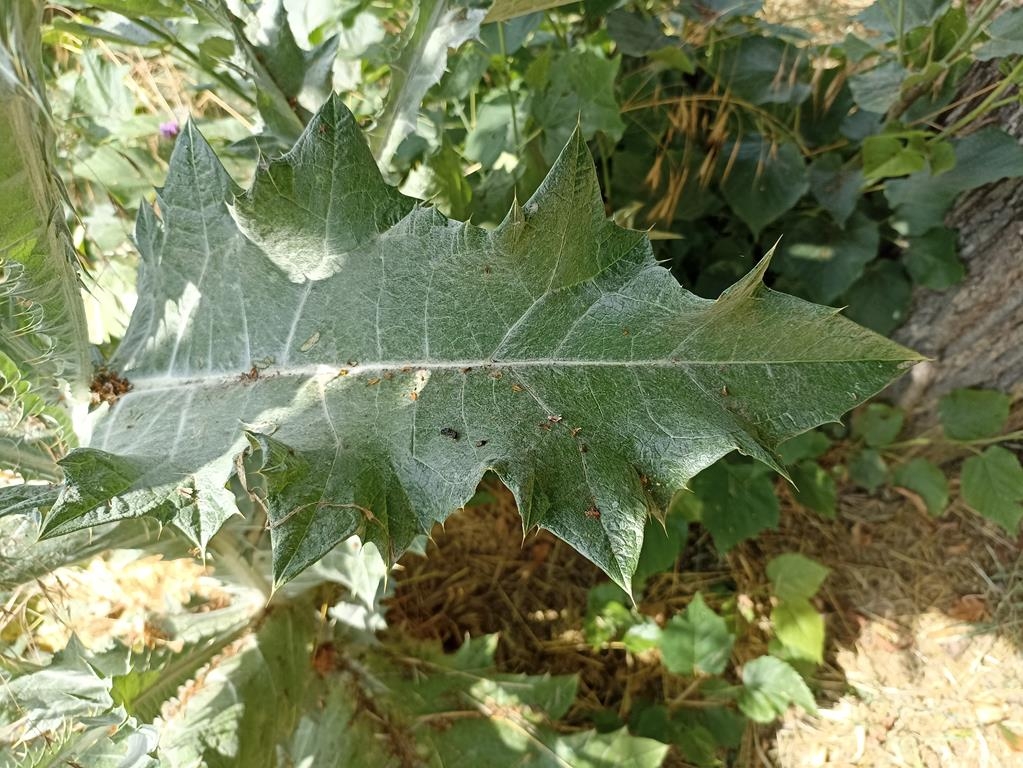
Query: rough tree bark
(974, 331)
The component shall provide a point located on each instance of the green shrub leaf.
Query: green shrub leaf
(375, 360)
(878, 424)
(972, 414)
(696, 642)
(924, 478)
(770, 685)
(795, 577)
(800, 628)
(992, 484)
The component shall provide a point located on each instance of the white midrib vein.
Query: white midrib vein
(491, 367)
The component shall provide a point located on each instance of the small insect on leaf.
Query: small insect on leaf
(481, 443)
(592, 512)
(375, 380)
(553, 419)
(449, 432)
(517, 388)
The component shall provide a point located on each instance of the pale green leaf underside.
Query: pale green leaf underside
(403, 355)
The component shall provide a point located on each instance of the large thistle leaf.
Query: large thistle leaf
(44, 357)
(376, 360)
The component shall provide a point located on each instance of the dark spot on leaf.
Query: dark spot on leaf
(625, 331)
(449, 432)
(481, 443)
(584, 448)
(517, 387)
(553, 418)
(592, 512)
(374, 380)
(467, 369)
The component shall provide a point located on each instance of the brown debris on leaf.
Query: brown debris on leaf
(107, 387)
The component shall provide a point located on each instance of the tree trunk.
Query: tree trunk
(974, 331)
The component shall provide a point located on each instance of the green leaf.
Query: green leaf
(877, 89)
(800, 629)
(973, 414)
(636, 34)
(399, 356)
(877, 424)
(438, 26)
(502, 10)
(889, 18)
(924, 478)
(886, 156)
(748, 66)
(662, 545)
(607, 615)
(868, 469)
(737, 502)
(795, 577)
(880, 299)
(249, 701)
(815, 488)
(992, 484)
(1005, 36)
(932, 259)
(764, 181)
(921, 200)
(835, 187)
(809, 445)
(770, 685)
(827, 259)
(574, 88)
(457, 711)
(45, 360)
(697, 642)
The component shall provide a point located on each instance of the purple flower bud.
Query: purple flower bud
(169, 129)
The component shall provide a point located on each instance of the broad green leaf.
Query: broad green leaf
(636, 34)
(248, 701)
(973, 414)
(868, 469)
(800, 628)
(877, 424)
(877, 89)
(663, 542)
(836, 187)
(1005, 36)
(376, 360)
(815, 488)
(770, 686)
(455, 710)
(827, 259)
(42, 318)
(924, 478)
(574, 88)
(607, 615)
(795, 577)
(736, 502)
(809, 445)
(764, 181)
(880, 299)
(886, 156)
(883, 16)
(992, 484)
(502, 10)
(696, 642)
(932, 259)
(642, 637)
(760, 70)
(920, 201)
(438, 26)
